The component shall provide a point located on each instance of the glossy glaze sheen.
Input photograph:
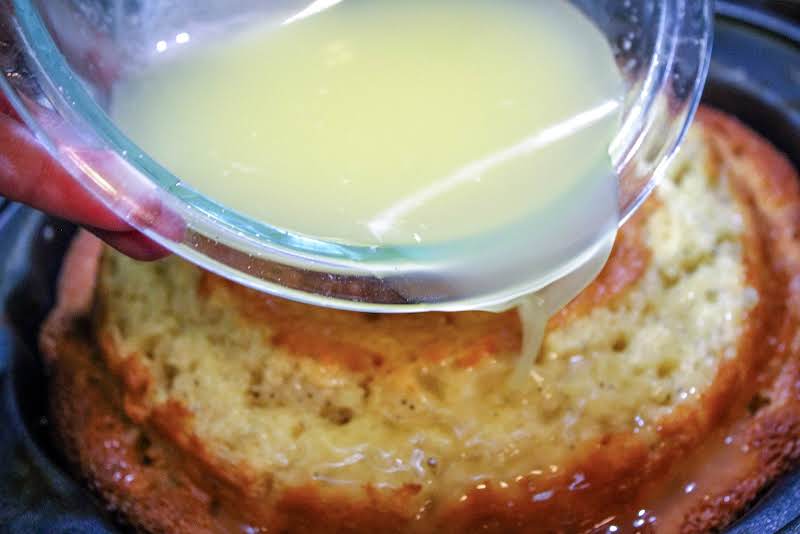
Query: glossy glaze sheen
(628, 476)
(35, 493)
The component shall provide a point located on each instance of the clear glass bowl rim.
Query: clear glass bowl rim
(72, 100)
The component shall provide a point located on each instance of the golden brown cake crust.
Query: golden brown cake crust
(711, 462)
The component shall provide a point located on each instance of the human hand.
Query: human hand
(28, 174)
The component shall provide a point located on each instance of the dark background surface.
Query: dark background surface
(787, 8)
(752, 76)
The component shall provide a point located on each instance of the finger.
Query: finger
(142, 202)
(28, 174)
(132, 244)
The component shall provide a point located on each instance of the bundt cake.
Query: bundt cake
(666, 396)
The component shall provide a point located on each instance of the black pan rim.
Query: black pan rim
(759, 19)
(778, 510)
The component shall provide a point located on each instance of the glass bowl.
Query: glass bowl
(61, 57)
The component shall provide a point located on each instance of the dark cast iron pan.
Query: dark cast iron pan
(755, 75)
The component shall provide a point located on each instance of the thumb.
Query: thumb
(30, 175)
